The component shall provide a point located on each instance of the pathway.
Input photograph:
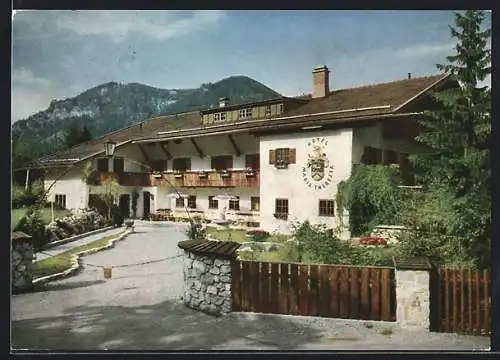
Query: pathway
(140, 308)
(80, 242)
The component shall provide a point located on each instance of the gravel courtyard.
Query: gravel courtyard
(140, 308)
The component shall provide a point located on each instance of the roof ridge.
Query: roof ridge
(442, 75)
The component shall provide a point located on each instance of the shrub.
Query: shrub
(195, 231)
(372, 197)
(258, 235)
(22, 198)
(319, 244)
(32, 224)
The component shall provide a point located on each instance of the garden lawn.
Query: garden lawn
(228, 234)
(239, 235)
(17, 214)
(62, 261)
(377, 256)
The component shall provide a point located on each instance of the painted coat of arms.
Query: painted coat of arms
(317, 172)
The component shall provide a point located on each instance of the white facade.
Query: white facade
(295, 182)
(300, 183)
(71, 186)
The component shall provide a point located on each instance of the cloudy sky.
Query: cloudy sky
(59, 54)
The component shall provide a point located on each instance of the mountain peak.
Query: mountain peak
(111, 106)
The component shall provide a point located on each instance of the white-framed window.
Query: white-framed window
(60, 201)
(220, 116)
(268, 110)
(245, 113)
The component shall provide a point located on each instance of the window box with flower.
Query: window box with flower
(249, 172)
(281, 164)
(203, 174)
(225, 174)
(178, 174)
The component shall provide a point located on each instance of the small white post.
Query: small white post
(27, 179)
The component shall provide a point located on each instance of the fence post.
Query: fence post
(413, 293)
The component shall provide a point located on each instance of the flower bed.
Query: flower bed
(373, 240)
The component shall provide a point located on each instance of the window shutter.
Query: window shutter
(291, 156)
(272, 157)
(188, 164)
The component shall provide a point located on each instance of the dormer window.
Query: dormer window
(220, 116)
(245, 114)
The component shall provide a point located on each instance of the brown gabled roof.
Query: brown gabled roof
(121, 137)
(384, 98)
(340, 106)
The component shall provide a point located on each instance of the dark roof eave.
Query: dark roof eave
(284, 124)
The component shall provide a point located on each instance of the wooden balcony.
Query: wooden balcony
(124, 178)
(208, 179)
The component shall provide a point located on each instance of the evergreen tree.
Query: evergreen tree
(72, 135)
(75, 136)
(85, 134)
(456, 167)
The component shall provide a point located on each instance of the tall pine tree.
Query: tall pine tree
(456, 167)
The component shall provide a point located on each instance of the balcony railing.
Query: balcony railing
(192, 179)
(124, 178)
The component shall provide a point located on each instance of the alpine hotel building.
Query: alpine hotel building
(264, 164)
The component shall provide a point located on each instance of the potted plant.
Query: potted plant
(225, 173)
(157, 175)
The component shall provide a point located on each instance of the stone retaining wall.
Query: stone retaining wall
(207, 283)
(21, 262)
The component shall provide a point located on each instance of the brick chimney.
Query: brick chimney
(321, 83)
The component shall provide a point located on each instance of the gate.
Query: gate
(460, 301)
(335, 291)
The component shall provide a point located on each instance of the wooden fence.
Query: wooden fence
(460, 301)
(334, 291)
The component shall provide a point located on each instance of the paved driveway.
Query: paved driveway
(139, 308)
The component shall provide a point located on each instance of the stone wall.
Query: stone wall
(22, 263)
(413, 299)
(207, 283)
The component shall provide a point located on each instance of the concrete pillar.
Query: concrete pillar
(413, 294)
(111, 164)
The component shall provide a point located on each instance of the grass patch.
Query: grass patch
(240, 237)
(228, 234)
(62, 261)
(17, 214)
